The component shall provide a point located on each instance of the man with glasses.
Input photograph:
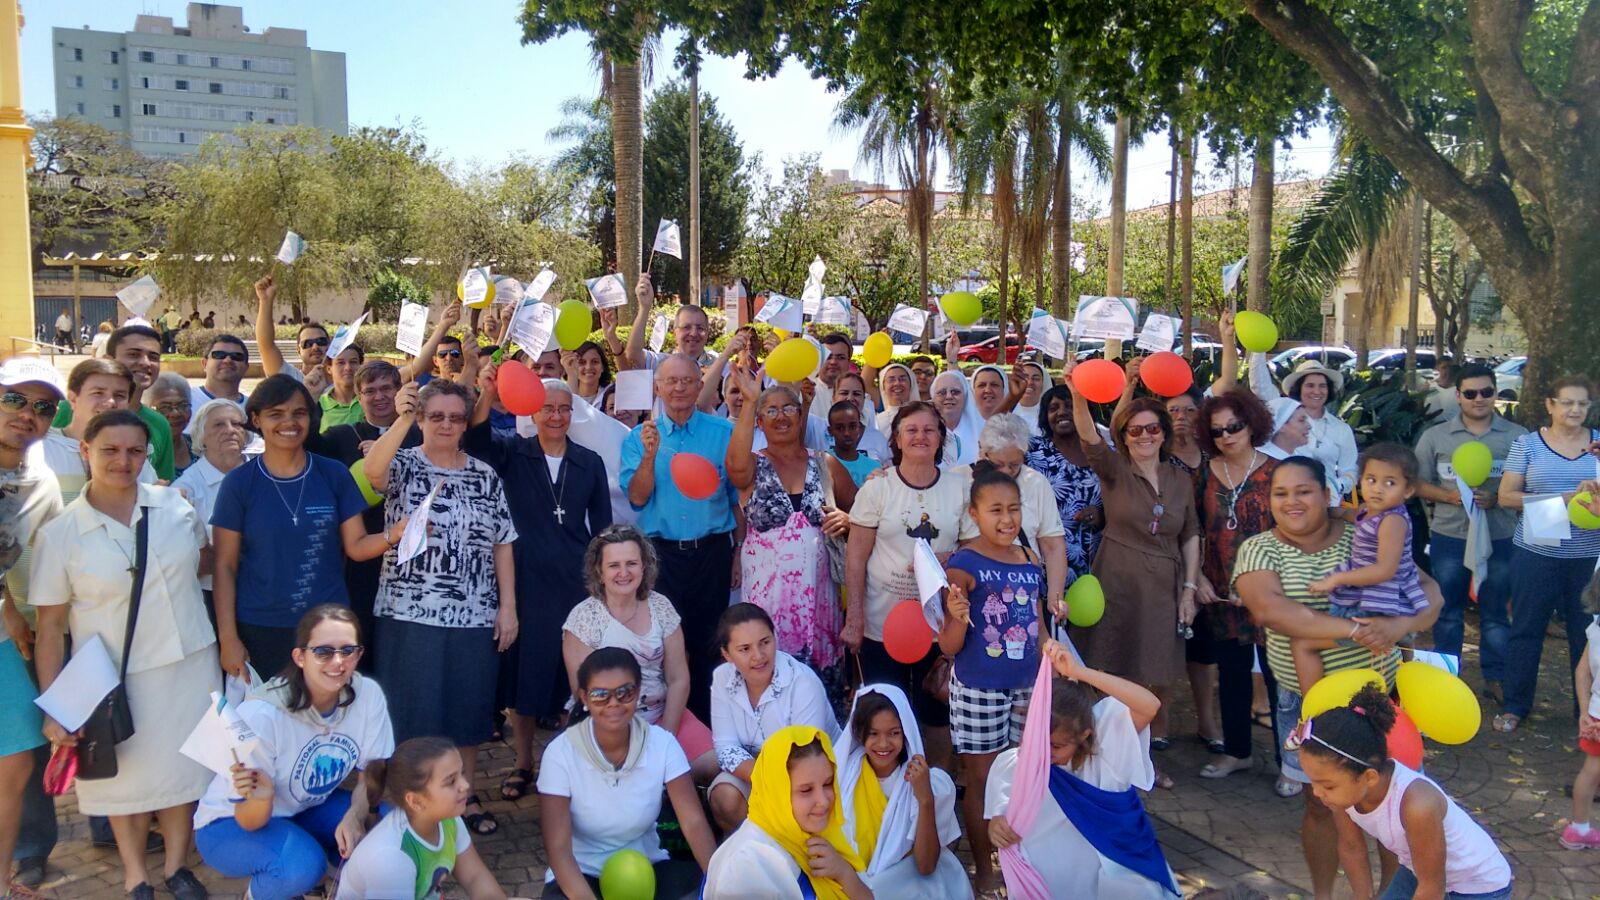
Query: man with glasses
(693, 537)
(226, 363)
(30, 392)
(312, 341)
(924, 369)
(1475, 420)
(691, 328)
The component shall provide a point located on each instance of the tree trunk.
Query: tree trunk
(1005, 285)
(1119, 219)
(922, 194)
(1186, 226)
(694, 180)
(1419, 209)
(1260, 266)
(627, 148)
(1172, 226)
(1061, 221)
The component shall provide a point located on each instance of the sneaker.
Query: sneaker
(1572, 840)
(185, 886)
(30, 872)
(142, 891)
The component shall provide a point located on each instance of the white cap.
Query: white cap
(31, 369)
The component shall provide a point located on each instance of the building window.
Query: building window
(244, 64)
(280, 93)
(180, 85)
(145, 82)
(114, 111)
(113, 57)
(216, 87)
(271, 120)
(183, 59)
(216, 62)
(77, 81)
(77, 54)
(181, 138)
(111, 84)
(148, 109)
(145, 56)
(78, 107)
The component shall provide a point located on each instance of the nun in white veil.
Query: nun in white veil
(881, 807)
(895, 393)
(957, 401)
(1028, 406)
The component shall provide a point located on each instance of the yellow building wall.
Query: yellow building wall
(16, 268)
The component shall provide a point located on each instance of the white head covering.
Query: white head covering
(886, 417)
(1030, 414)
(1282, 413)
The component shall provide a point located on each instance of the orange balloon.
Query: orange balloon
(1405, 741)
(520, 390)
(694, 476)
(906, 634)
(1099, 380)
(1166, 374)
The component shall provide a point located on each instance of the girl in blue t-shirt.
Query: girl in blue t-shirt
(991, 627)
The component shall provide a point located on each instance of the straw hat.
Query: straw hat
(1312, 367)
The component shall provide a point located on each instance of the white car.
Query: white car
(1508, 377)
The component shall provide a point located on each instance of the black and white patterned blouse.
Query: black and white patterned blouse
(452, 583)
(770, 506)
(1076, 488)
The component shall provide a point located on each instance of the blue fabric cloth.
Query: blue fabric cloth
(285, 568)
(1544, 586)
(668, 513)
(1001, 651)
(1114, 823)
(20, 719)
(1494, 595)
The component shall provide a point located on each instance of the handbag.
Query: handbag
(111, 723)
(60, 770)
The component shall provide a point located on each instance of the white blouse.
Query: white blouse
(795, 697)
(751, 864)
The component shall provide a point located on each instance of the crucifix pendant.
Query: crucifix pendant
(296, 519)
(560, 514)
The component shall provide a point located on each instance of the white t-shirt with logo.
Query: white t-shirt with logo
(386, 863)
(307, 761)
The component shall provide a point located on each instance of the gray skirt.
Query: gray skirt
(439, 681)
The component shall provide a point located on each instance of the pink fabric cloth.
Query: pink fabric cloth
(1029, 790)
(785, 571)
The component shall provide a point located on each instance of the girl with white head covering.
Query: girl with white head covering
(884, 780)
(896, 388)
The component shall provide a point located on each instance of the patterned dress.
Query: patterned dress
(784, 569)
(1227, 517)
(1077, 488)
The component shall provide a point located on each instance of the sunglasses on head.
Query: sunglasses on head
(1136, 430)
(1475, 394)
(325, 653)
(308, 343)
(234, 355)
(1233, 427)
(622, 693)
(12, 401)
(456, 352)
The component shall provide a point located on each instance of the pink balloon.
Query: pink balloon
(520, 390)
(1166, 374)
(1405, 742)
(695, 476)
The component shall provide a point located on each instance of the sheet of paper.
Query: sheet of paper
(1111, 318)
(293, 245)
(220, 737)
(507, 291)
(84, 681)
(540, 284)
(1048, 334)
(1446, 661)
(532, 325)
(634, 389)
(409, 335)
(1230, 274)
(781, 312)
(345, 336)
(1545, 521)
(908, 320)
(658, 332)
(669, 239)
(811, 298)
(475, 288)
(608, 291)
(236, 690)
(833, 311)
(415, 538)
(930, 582)
(1159, 333)
(139, 296)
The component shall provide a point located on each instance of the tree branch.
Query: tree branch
(1507, 158)
(1525, 112)
(1583, 75)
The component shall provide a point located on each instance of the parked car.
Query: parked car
(988, 350)
(1508, 377)
(1395, 358)
(1331, 356)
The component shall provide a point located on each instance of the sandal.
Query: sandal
(516, 785)
(1159, 743)
(1262, 719)
(1163, 780)
(1286, 788)
(480, 823)
(1213, 746)
(1224, 768)
(1505, 723)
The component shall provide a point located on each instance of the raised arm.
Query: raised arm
(1130, 374)
(644, 293)
(1142, 704)
(376, 464)
(711, 378)
(1228, 365)
(423, 361)
(1082, 421)
(266, 335)
(739, 460)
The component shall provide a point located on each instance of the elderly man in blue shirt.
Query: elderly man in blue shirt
(693, 538)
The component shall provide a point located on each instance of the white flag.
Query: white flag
(1230, 275)
(293, 245)
(139, 296)
(221, 738)
(475, 288)
(1111, 318)
(507, 291)
(413, 325)
(1159, 333)
(658, 332)
(668, 239)
(781, 312)
(540, 284)
(608, 291)
(817, 269)
(345, 336)
(532, 325)
(1048, 334)
(811, 298)
(414, 539)
(908, 320)
(834, 311)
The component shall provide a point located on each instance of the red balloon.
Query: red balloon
(1099, 380)
(1405, 742)
(1166, 374)
(906, 634)
(695, 476)
(520, 390)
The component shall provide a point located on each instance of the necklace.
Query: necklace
(1235, 490)
(558, 488)
(294, 511)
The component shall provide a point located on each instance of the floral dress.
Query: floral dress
(784, 569)
(1227, 517)
(1077, 488)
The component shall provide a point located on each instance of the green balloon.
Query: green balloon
(572, 324)
(627, 875)
(373, 497)
(1578, 512)
(1256, 332)
(1086, 601)
(963, 307)
(1473, 462)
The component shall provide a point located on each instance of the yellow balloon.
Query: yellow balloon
(792, 360)
(878, 350)
(486, 286)
(1442, 705)
(1335, 690)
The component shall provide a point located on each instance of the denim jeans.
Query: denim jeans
(1543, 585)
(1404, 886)
(1455, 581)
(37, 836)
(284, 858)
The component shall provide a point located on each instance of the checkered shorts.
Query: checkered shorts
(984, 720)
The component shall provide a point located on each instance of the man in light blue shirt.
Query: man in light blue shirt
(693, 538)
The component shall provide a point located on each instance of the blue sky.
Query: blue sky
(480, 95)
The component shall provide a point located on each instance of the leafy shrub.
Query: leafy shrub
(1378, 407)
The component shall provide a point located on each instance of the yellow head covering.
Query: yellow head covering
(772, 809)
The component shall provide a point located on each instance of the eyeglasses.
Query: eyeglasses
(556, 410)
(12, 401)
(234, 355)
(325, 653)
(308, 343)
(949, 392)
(773, 412)
(622, 693)
(1484, 393)
(443, 353)
(1136, 430)
(439, 418)
(1572, 404)
(168, 409)
(680, 381)
(1233, 427)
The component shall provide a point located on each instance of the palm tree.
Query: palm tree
(985, 158)
(1260, 226)
(1073, 129)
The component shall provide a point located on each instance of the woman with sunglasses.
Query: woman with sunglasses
(444, 615)
(280, 817)
(794, 499)
(1149, 559)
(600, 786)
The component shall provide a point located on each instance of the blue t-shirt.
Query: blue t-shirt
(1002, 647)
(287, 567)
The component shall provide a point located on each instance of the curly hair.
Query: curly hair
(618, 534)
(1119, 423)
(1243, 404)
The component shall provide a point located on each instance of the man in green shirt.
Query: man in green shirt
(341, 404)
(139, 348)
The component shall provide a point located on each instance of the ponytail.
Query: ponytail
(406, 772)
(1355, 736)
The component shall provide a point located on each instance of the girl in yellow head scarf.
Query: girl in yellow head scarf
(792, 845)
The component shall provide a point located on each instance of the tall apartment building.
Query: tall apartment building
(168, 88)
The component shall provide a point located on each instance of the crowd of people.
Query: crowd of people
(380, 558)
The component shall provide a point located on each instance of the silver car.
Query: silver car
(1508, 377)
